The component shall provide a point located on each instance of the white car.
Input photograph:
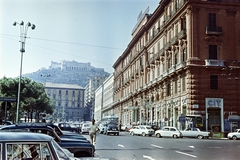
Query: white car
(234, 135)
(141, 130)
(168, 132)
(85, 128)
(101, 127)
(195, 133)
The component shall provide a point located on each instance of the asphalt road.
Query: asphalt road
(127, 147)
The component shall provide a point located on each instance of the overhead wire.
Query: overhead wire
(63, 42)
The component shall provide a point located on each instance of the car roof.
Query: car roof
(24, 136)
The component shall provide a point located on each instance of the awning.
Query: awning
(234, 118)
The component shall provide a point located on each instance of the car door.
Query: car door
(165, 132)
(137, 130)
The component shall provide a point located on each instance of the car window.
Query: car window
(172, 129)
(17, 151)
(194, 129)
(166, 129)
(148, 127)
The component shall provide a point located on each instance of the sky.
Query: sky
(95, 31)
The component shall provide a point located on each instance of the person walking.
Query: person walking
(93, 132)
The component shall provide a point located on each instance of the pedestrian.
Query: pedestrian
(93, 132)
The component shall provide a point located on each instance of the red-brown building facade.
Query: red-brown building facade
(182, 67)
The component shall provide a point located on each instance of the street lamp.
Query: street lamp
(23, 32)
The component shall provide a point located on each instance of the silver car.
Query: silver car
(168, 132)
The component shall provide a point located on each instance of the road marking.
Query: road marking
(121, 145)
(191, 146)
(148, 157)
(186, 154)
(156, 146)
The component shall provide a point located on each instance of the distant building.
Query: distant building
(74, 66)
(89, 96)
(104, 99)
(68, 100)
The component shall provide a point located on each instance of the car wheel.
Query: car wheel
(175, 136)
(200, 137)
(158, 135)
(143, 134)
(132, 133)
(234, 137)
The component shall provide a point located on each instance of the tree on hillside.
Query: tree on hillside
(33, 98)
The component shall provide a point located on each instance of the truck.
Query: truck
(195, 133)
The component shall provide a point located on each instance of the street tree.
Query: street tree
(33, 98)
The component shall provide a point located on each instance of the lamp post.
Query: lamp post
(23, 32)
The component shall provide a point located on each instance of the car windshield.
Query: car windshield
(59, 151)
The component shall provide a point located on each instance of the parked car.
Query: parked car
(66, 127)
(101, 127)
(141, 130)
(195, 133)
(85, 128)
(111, 128)
(30, 146)
(234, 135)
(126, 127)
(66, 134)
(168, 132)
(79, 147)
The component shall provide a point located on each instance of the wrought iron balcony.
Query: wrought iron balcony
(213, 30)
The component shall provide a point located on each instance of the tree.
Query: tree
(33, 98)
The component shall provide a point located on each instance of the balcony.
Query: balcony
(213, 30)
(214, 62)
(182, 34)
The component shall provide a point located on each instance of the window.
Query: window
(184, 55)
(212, 51)
(212, 19)
(175, 87)
(183, 84)
(213, 82)
(175, 59)
(169, 90)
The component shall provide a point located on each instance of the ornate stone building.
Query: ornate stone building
(182, 67)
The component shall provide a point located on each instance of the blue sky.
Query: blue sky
(95, 31)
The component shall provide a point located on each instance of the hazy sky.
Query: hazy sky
(95, 31)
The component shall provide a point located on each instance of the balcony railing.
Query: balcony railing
(213, 30)
(214, 62)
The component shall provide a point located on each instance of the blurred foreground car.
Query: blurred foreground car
(195, 133)
(27, 145)
(141, 130)
(79, 147)
(234, 135)
(168, 132)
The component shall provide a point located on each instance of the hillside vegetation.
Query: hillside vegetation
(65, 77)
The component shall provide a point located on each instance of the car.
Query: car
(168, 132)
(27, 145)
(85, 128)
(234, 135)
(126, 127)
(195, 133)
(101, 127)
(66, 134)
(66, 127)
(79, 147)
(141, 130)
(111, 128)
